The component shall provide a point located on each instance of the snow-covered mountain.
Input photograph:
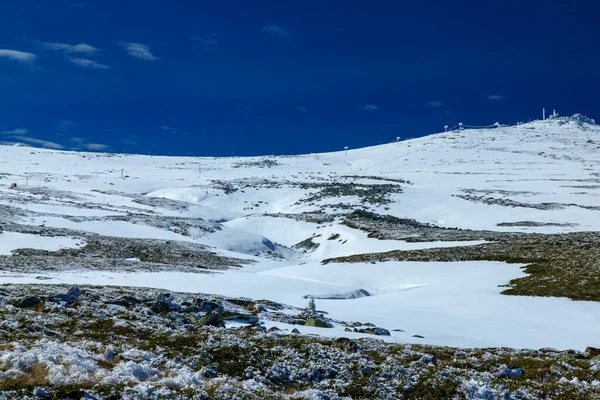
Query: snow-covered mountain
(280, 217)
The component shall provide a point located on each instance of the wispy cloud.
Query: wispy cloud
(70, 48)
(130, 140)
(138, 50)
(18, 131)
(85, 63)
(369, 107)
(434, 104)
(95, 146)
(38, 142)
(207, 42)
(301, 109)
(82, 144)
(276, 30)
(20, 56)
(495, 97)
(169, 129)
(64, 126)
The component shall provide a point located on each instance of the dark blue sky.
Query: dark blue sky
(279, 77)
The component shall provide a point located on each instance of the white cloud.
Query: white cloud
(276, 30)
(70, 48)
(16, 55)
(82, 144)
(38, 142)
(64, 126)
(138, 50)
(85, 63)
(130, 141)
(369, 107)
(301, 109)
(208, 41)
(495, 97)
(434, 104)
(95, 146)
(169, 129)
(18, 131)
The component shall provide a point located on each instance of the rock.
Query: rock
(504, 372)
(273, 329)
(317, 322)
(209, 371)
(71, 296)
(348, 344)
(427, 359)
(125, 301)
(208, 306)
(191, 309)
(373, 331)
(161, 304)
(295, 331)
(254, 327)
(381, 332)
(591, 352)
(29, 301)
(260, 308)
(419, 336)
(212, 319)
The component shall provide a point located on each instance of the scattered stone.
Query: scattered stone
(591, 352)
(212, 319)
(29, 301)
(381, 332)
(125, 301)
(428, 359)
(317, 322)
(161, 304)
(71, 296)
(503, 371)
(210, 306)
(348, 344)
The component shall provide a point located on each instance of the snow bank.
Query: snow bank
(10, 241)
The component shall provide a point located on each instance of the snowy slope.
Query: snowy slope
(546, 172)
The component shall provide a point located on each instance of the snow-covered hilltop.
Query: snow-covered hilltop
(409, 242)
(278, 217)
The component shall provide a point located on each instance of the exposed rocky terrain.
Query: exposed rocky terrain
(113, 343)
